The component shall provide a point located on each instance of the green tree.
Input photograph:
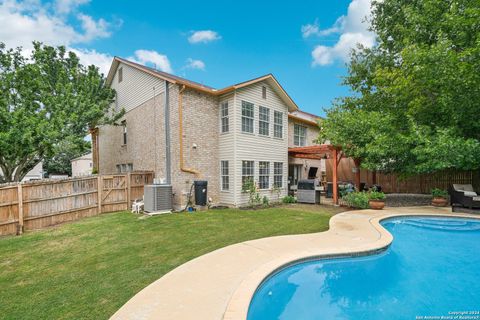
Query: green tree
(64, 152)
(416, 94)
(46, 99)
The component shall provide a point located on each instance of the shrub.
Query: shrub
(375, 195)
(265, 201)
(356, 199)
(289, 199)
(253, 196)
(439, 193)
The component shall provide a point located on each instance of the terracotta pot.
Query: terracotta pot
(376, 204)
(439, 202)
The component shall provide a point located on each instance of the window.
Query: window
(247, 117)
(264, 92)
(263, 121)
(247, 171)
(224, 116)
(278, 124)
(120, 75)
(278, 174)
(124, 167)
(129, 167)
(264, 175)
(225, 175)
(299, 135)
(124, 126)
(119, 168)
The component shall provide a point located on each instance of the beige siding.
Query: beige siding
(136, 88)
(255, 147)
(226, 149)
(312, 135)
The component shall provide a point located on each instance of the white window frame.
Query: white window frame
(263, 121)
(224, 175)
(224, 116)
(278, 124)
(299, 139)
(248, 172)
(124, 133)
(248, 117)
(263, 175)
(278, 174)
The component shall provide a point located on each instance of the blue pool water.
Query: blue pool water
(432, 269)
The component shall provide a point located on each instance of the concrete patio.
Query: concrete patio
(220, 284)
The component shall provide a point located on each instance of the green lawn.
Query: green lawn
(90, 268)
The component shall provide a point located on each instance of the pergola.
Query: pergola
(324, 151)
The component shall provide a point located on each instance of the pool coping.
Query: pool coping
(221, 284)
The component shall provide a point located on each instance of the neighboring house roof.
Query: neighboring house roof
(86, 156)
(269, 78)
(305, 117)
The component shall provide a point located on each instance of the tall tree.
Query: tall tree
(421, 82)
(46, 99)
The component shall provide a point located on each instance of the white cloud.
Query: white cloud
(151, 57)
(195, 64)
(89, 57)
(67, 6)
(25, 21)
(93, 29)
(203, 36)
(353, 30)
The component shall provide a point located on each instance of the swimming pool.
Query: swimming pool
(432, 269)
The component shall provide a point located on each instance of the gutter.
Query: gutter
(180, 133)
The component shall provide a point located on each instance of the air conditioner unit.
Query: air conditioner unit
(158, 198)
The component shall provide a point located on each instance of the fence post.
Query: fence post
(20, 208)
(99, 191)
(128, 189)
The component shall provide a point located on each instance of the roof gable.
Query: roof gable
(269, 78)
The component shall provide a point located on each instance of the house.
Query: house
(82, 166)
(186, 131)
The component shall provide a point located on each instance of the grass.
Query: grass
(90, 268)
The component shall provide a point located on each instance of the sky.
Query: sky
(305, 44)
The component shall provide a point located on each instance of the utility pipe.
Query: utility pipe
(180, 132)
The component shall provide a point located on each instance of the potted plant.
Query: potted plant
(439, 197)
(376, 200)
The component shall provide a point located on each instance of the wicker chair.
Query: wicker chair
(463, 195)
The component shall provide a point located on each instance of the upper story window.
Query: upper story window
(299, 135)
(264, 92)
(225, 118)
(264, 175)
(225, 175)
(247, 171)
(120, 74)
(263, 121)
(247, 117)
(278, 124)
(124, 132)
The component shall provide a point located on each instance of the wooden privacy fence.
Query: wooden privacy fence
(391, 183)
(35, 205)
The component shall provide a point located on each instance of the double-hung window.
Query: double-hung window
(247, 171)
(264, 175)
(263, 121)
(278, 124)
(247, 117)
(278, 174)
(299, 135)
(225, 118)
(225, 175)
